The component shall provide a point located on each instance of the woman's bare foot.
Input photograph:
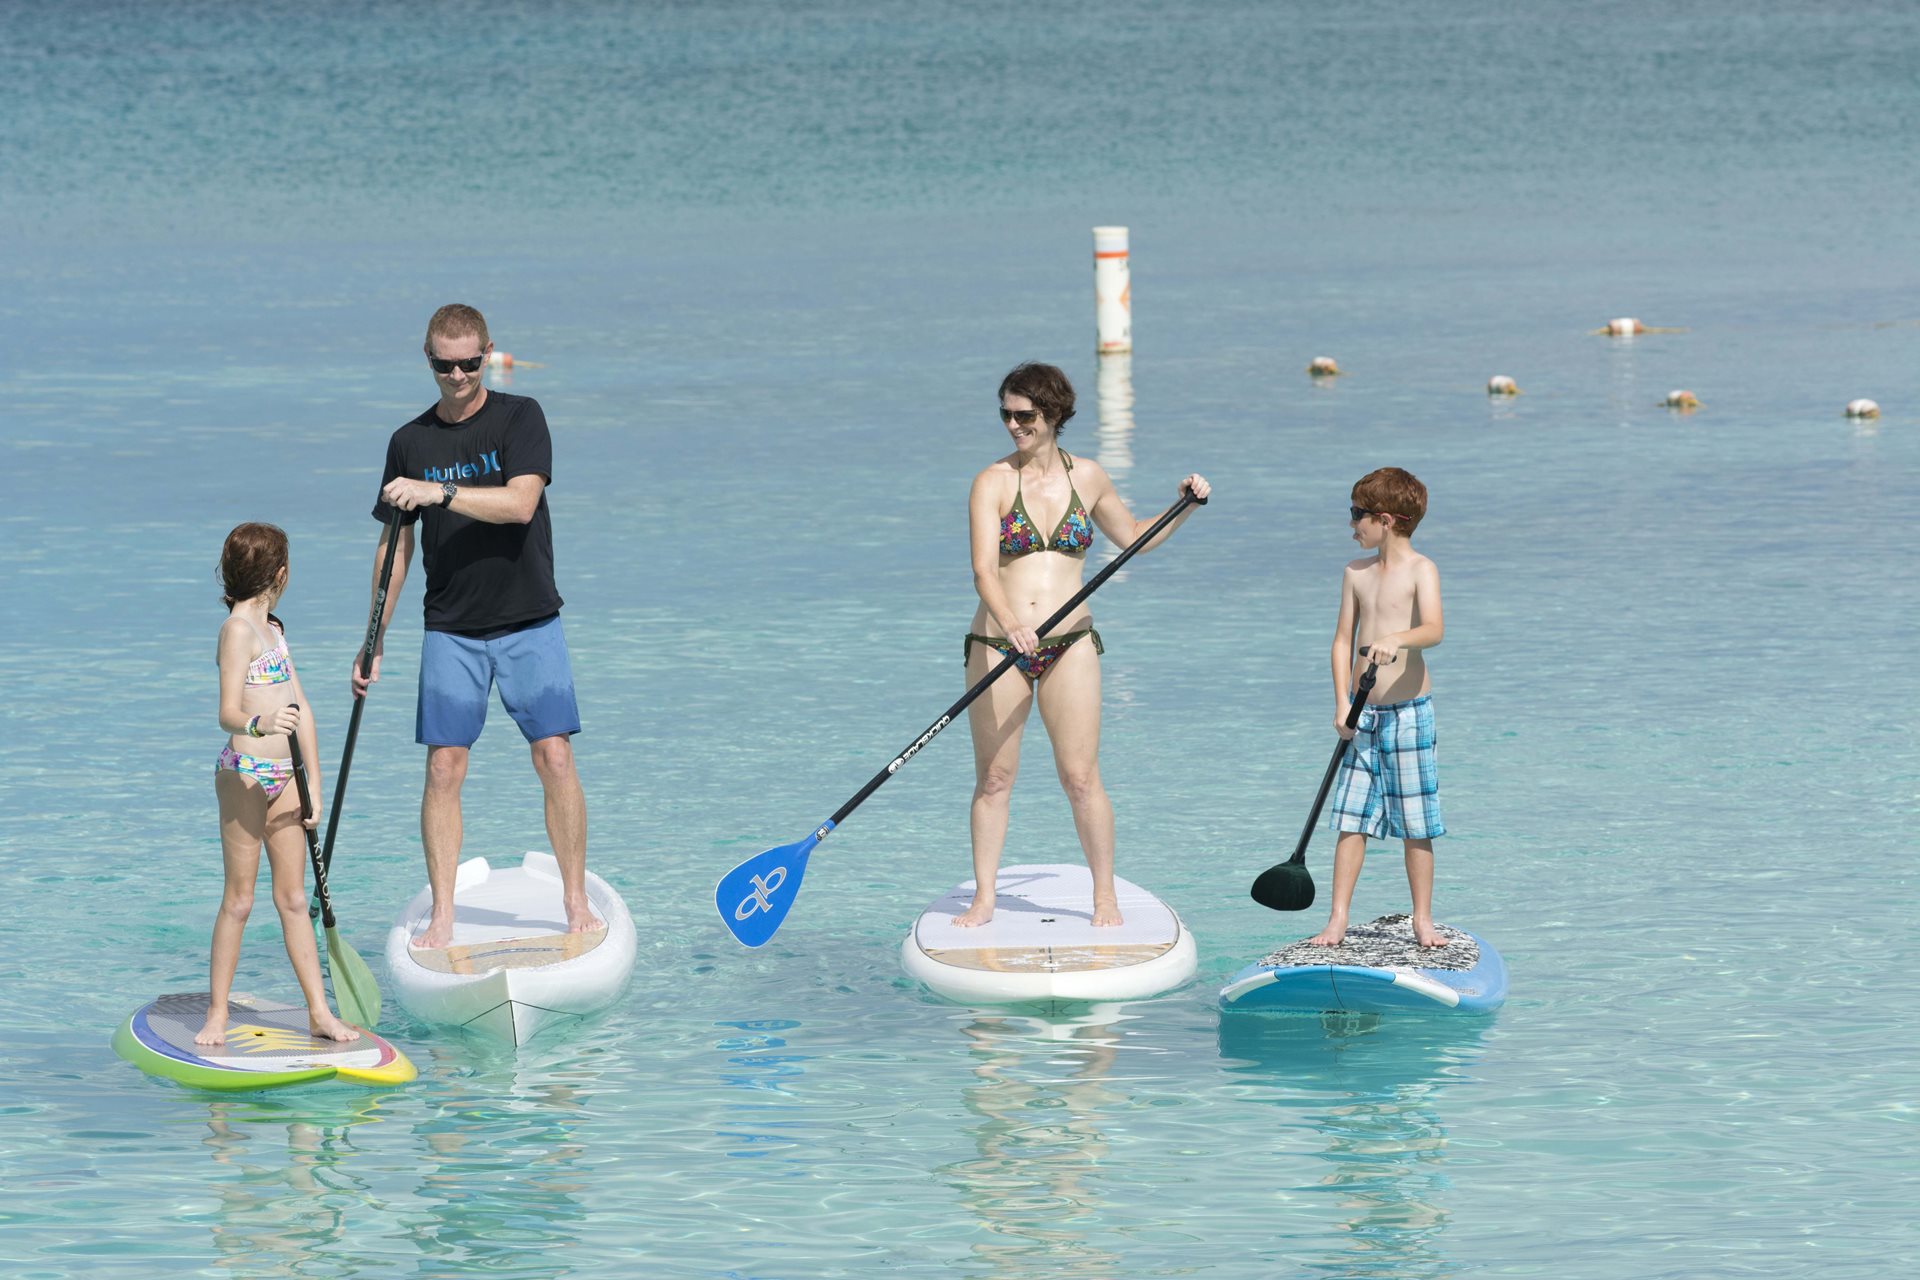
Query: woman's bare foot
(1107, 913)
(580, 918)
(1426, 935)
(324, 1026)
(1333, 935)
(978, 914)
(215, 1032)
(438, 933)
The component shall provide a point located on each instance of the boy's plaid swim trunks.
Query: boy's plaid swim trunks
(1388, 785)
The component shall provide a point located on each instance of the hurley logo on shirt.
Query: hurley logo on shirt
(488, 464)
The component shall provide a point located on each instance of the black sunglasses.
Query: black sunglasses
(470, 365)
(1025, 417)
(1361, 513)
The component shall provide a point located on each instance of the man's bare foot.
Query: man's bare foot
(978, 914)
(1106, 914)
(438, 933)
(1332, 936)
(580, 918)
(1426, 935)
(215, 1032)
(325, 1026)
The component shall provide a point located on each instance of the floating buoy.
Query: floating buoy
(1501, 385)
(1628, 327)
(1862, 409)
(1324, 367)
(500, 360)
(1685, 401)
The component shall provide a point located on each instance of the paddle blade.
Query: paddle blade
(354, 989)
(755, 896)
(1286, 886)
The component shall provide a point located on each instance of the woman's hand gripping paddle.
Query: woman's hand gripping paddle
(360, 702)
(1287, 886)
(354, 989)
(754, 898)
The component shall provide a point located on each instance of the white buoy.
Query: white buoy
(1501, 385)
(1324, 367)
(1625, 327)
(1685, 401)
(1862, 409)
(1112, 290)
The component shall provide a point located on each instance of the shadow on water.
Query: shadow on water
(1369, 1089)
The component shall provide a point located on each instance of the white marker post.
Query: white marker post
(1112, 290)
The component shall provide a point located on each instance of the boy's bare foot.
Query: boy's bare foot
(978, 914)
(325, 1026)
(1426, 935)
(1332, 936)
(215, 1032)
(1106, 914)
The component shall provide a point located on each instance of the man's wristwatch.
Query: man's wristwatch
(447, 489)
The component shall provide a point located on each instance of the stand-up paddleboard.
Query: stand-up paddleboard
(1378, 968)
(267, 1046)
(512, 968)
(1041, 944)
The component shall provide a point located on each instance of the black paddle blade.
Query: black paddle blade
(1286, 886)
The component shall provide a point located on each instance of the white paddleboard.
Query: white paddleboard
(1042, 945)
(512, 969)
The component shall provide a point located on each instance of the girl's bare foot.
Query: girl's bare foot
(1426, 935)
(215, 1032)
(1106, 914)
(978, 914)
(325, 1026)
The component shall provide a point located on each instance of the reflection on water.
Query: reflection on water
(755, 1063)
(276, 1214)
(1042, 1086)
(1115, 432)
(1371, 1088)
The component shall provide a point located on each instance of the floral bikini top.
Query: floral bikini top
(1072, 536)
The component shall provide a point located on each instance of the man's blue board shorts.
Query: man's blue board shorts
(457, 674)
(1388, 786)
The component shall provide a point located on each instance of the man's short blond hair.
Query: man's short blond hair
(457, 320)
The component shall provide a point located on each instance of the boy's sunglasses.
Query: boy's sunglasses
(470, 365)
(1361, 513)
(1025, 417)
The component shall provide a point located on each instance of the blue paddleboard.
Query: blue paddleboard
(1378, 968)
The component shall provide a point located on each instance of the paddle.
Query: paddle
(755, 896)
(1288, 886)
(360, 701)
(354, 989)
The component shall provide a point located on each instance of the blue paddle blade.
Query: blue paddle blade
(755, 896)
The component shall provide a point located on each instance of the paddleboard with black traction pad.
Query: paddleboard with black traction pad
(1377, 968)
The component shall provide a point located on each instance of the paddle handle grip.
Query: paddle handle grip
(374, 622)
(313, 844)
(1356, 705)
(1005, 664)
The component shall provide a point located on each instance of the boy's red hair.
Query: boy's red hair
(1391, 491)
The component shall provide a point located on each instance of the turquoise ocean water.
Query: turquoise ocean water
(774, 259)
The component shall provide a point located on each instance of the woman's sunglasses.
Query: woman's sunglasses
(1025, 417)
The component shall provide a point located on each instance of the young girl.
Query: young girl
(261, 702)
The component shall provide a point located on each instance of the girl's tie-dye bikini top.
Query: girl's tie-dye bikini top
(1073, 535)
(273, 666)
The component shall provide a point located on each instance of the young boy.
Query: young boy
(1388, 785)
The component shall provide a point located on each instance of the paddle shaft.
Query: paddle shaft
(1358, 705)
(1059, 615)
(366, 665)
(313, 842)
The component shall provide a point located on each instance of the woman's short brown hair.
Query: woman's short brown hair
(1046, 386)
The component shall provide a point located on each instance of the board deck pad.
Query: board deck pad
(508, 953)
(1385, 943)
(1043, 923)
(262, 1035)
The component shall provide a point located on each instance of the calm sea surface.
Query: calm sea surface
(773, 259)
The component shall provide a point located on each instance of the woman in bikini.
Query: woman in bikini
(261, 702)
(1031, 518)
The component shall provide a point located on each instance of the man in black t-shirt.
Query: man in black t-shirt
(470, 476)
